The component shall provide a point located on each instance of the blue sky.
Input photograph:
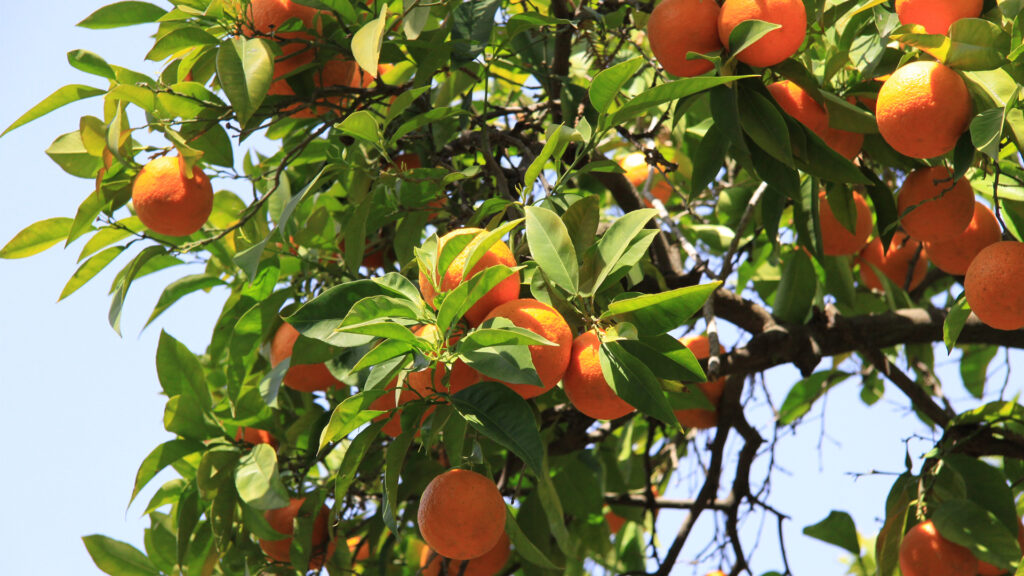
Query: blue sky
(81, 406)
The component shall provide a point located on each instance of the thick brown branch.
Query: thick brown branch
(917, 394)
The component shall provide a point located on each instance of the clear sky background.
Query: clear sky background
(81, 408)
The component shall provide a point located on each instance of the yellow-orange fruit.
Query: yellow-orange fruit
(636, 168)
(550, 361)
(799, 104)
(937, 15)
(986, 569)
(301, 377)
(489, 564)
(932, 207)
(169, 202)
(461, 514)
(924, 552)
(698, 417)
(677, 27)
(894, 262)
(836, 239)
(255, 436)
(993, 285)
(585, 385)
(922, 109)
(282, 520)
(776, 45)
(954, 256)
(498, 253)
(358, 548)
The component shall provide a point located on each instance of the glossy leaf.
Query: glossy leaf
(837, 528)
(118, 558)
(36, 238)
(257, 479)
(497, 412)
(122, 14)
(552, 247)
(245, 67)
(661, 312)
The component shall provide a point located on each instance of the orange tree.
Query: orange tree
(444, 213)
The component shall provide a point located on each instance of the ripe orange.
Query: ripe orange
(932, 207)
(836, 240)
(697, 417)
(677, 27)
(255, 436)
(924, 552)
(550, 361)
(359, 552)
(776, 45)
(282, 520)
(461, 514)
(269, 15)
(954, 256)
(337, 72)
(636, 168)
(993, 285)
(799, 104)
(894, 263)
(301, 377)
(585, 385)
(498, 253)
(167, 201)
(922, 109)
(986, 569)
(462, 377)
(937, 15)
(489, 564)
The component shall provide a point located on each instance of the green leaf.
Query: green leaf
(986, 486)
(353, 457)
(551, 246)
(178, 40)
(89, 269)
(602, 258)
(609, 82)
(319, 317)
(763, 122)
(708, 157)
(524, 547)
(180, 372)
(415, 18)
(118, 558)
(121, 286)
(472, 22)
(394, 460)
(795, 295)
(180, 288)
(504, 336)
(581, 222)
(968, 524)
(349, 415)
(838, 528)
(958, 314)
(36, 238)
(512, 364)
(667, 357)
(161, 457)
(257, 480)
(122, 14)
(634, 382)
(90, 63)
(497, 412)
(804, 393)
(746, 34)
(661, 312)
(245, 67)
(553, 147)
(976, 44)
(69, 152)
(668, 92)
(458, 301)
(974, 367)
(361, 124)
(987, 131)
(367, 41)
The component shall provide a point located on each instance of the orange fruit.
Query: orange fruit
(922, 109)
(799, 104)
(167, 201)
(636, 168)
(894, 263)
(585, 385)
(498, 253)
(954, 256)
(301, 377)
(836, 240)
(336, 72)
(924, 552)
(255, 436)
(462, 377)
(986, 569)
(269, 15)
(776, 45)
(461, 514)
(993, 285)
(489, 564)
(937, 15)
(715, 573)
(550, 361)
(282, 520)
(697, 417)
(359, 548)
(677, 27)
(932, 207)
